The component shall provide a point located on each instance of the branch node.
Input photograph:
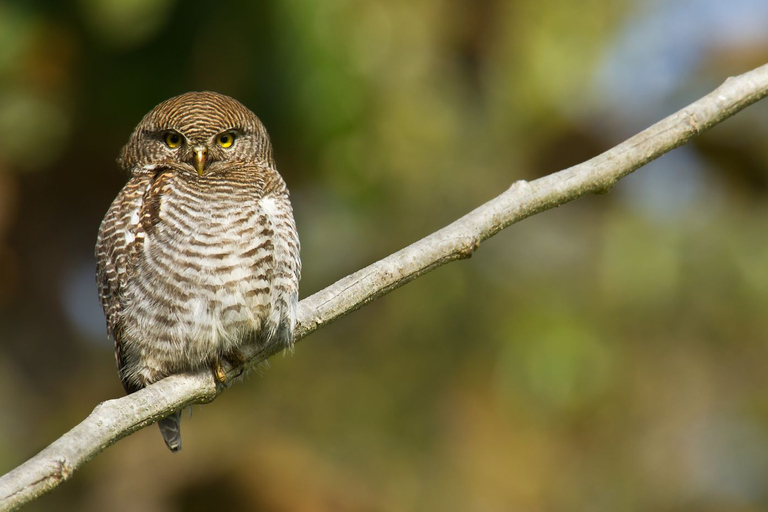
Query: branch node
(519, 186)
(466, 250)
(63, 470)
(604, 189)
(692, 120)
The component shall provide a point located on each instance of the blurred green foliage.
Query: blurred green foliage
(607, 355)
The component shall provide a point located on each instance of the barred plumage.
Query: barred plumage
(198, 254)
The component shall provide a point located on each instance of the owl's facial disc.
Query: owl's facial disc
(200, 154)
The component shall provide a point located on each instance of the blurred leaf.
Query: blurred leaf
(127, 23)
(33, 131)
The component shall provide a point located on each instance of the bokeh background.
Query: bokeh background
(607, 355)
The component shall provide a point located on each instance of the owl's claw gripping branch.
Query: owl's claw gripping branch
(231, 360)
(218, 372)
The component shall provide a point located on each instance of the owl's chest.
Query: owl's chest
(205, 269)
(218, 244)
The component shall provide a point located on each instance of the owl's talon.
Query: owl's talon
(218, 372)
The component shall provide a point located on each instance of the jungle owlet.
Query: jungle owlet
(198, 254)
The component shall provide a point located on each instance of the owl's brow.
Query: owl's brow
(158, 133)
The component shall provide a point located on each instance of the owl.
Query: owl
(198, 255)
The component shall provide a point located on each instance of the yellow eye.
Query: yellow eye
(225, 139)
(173, 140)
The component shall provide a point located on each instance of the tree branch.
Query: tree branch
(114, 419)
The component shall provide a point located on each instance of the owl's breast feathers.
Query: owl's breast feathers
(191, 268)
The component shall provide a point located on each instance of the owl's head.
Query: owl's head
(200, 132)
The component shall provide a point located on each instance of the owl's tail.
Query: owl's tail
(170, 427)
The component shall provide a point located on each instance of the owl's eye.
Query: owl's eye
(172, 140)
(225, 139)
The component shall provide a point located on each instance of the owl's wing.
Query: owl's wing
(119, 242)
(274, 188)
(275, 206)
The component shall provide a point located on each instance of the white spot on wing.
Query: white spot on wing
(269, 206)
(130, 234)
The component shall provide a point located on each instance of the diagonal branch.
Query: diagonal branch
(114, 419)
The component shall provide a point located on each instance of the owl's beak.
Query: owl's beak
(200, 154)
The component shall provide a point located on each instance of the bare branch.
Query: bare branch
(115, 419)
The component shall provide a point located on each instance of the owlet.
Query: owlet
(198, 254)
